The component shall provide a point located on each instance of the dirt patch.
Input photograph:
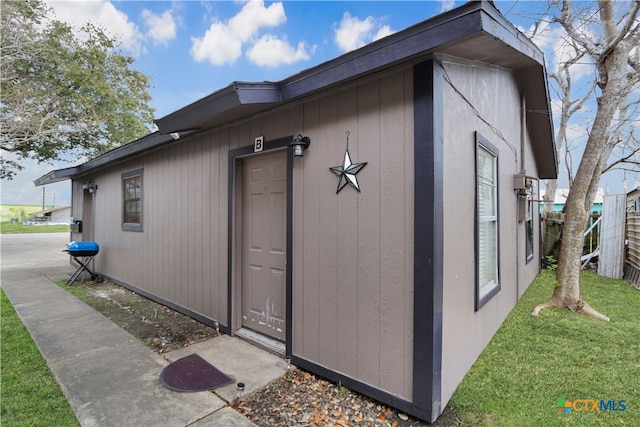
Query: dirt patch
(158, 326)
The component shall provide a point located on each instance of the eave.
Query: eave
(134, 148)
(475, 31)
(236, 100)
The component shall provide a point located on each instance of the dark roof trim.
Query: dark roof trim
(399, 47)
(57, 176)
(415, 42)
(143, 144)
(533, 84)
(237, 94)
(475, 30)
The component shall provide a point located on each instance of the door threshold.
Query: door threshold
(270, 344)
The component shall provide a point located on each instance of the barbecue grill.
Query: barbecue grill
(83, 253)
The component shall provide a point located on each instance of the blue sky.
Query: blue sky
(193, 48)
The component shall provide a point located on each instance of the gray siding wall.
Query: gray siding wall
(77, 198)
(494, 95)
(181, 254)
(353, 252)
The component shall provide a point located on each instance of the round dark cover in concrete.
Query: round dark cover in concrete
(192, 373)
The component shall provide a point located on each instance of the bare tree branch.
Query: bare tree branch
(566, 20)
(612, 46)
(626, 159)
(611, 30)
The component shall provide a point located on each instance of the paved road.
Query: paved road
(34, 255)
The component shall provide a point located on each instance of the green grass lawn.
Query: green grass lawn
(532, 362)
(10, 228)
(30, 395)
(517, 381)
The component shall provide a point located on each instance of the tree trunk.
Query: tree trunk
(613, 57)
(577, 208)
(550, 194)
(612, 79)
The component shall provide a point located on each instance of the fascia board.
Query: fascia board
(416, 41)
(56, 176)
(237, 94)
(125, 151)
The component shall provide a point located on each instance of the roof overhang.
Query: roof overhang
(57, 176)
(236, 100)
(134, 148)
(475, 31)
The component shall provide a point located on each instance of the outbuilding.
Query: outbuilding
(55, 215)
(373, 218)
(632, 238)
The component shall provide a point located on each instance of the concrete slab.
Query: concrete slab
(243, 362)
(51, 309)
(72, 336)
(31, 289)
(108, 376)
(224, 417)
(120, 386)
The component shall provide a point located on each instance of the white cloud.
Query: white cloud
(105, 15)
(383, 32)
(253, 16)
(222, 42)
(552, 40)
(218, 45)
(447, 5)
(160, 28)
(270, 51)
(353, 32)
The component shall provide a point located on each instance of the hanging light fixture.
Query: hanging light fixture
(299, 144)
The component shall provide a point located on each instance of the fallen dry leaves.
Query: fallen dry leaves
(302, 399)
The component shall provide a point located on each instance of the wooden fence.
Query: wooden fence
(611, 261)
(632, 259)
(552, 224)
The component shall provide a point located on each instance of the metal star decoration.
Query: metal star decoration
(347, 172)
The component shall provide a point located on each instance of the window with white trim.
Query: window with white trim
(487, 248)
(528, 230)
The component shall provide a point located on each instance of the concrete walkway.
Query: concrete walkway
(108, 376)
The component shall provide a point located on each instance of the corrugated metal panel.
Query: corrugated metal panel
(611, 260)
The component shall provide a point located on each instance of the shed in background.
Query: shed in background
(632, 253)
(612, 237)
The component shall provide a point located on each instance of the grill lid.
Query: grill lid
(83, 248)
